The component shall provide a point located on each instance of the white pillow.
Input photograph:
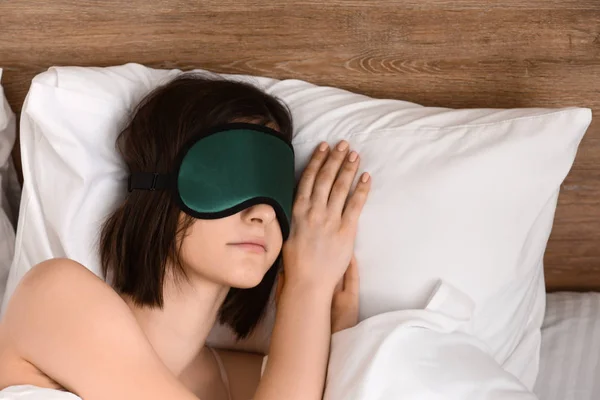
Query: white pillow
(467, 196)
(8, 189)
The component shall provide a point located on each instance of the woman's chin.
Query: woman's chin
(246, 279)
(244, 285)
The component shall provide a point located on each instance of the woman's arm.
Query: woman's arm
(78, 331)
(316, 256)
(299, 345)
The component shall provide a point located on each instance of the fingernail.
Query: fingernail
(343, 145)
(353, 156)
(323, 146)
(365, 177)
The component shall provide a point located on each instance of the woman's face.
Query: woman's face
(234, 251)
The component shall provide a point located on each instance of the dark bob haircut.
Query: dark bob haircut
(145, 232)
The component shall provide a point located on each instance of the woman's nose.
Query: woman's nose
(262, 213)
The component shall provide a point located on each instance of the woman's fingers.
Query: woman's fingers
(351, 278)
(356, 202)
(328, 173)
(309, 175)
(345, 305)
(339, 287)
(343, 183)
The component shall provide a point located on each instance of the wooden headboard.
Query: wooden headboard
(462, 53)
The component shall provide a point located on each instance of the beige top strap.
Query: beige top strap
(222, 371)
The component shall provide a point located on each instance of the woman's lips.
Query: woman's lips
(251, 247)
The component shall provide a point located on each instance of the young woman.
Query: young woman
(211, 214)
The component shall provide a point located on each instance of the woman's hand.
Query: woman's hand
(344, 307)
(325, 217)
(315, 257)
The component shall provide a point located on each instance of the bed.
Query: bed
(458, 54)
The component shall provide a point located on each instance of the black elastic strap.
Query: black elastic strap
(148, 181)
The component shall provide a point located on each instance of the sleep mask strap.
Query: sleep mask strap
(148, 181)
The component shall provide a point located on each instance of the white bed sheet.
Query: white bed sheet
(570, 353)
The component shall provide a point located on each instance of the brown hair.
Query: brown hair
(144, 233)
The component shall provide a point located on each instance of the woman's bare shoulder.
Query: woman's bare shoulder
(79, 332)
(57, 291)
(57, 272)
(54, 291)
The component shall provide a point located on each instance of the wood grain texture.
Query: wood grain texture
(468, 53)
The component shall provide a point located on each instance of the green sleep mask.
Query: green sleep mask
(227, 169)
